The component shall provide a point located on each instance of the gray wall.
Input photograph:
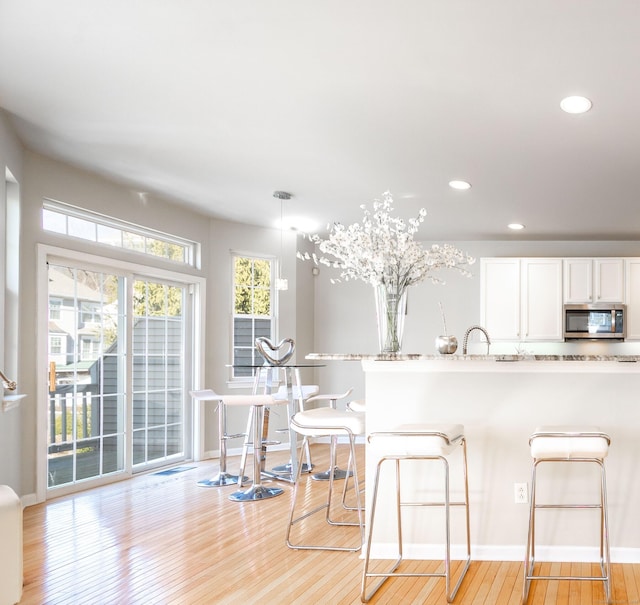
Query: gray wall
(10, 422)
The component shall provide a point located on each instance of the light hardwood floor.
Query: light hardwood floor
(163, 539)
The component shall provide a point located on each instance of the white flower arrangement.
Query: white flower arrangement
(382, 251)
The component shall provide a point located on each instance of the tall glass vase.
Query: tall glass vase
(391, 306)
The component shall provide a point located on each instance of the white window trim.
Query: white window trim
(192, 248)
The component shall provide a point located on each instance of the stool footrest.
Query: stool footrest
(586, 578)
(235, 436)
(392, 573)
(568, 506)
(432, 504)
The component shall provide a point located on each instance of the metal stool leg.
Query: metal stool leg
(257, 491)
(529, 555)
(364, 597)
(245, 447)
(223, 477)
(605, 558)
(345, 489)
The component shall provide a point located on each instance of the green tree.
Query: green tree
(158, 300)
(252, 286)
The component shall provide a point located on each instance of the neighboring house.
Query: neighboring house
(75, 321)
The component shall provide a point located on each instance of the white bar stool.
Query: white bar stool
(428, 442)
(338, 473)
(569, 444)
(257, 491)
(223, 477)
(327, 422)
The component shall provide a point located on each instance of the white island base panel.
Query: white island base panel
(500, 404)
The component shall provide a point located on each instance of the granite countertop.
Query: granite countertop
(454, 357)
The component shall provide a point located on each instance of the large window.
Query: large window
(253, 313)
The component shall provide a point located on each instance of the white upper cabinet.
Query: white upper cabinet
(578, 280)
(521, 299)
(609, 279)
(541, 302)
(500, 297)
(593, 280)
(632, 298)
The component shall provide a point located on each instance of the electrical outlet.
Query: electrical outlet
(521, 493)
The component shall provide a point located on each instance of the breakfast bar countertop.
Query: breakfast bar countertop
(452, 358)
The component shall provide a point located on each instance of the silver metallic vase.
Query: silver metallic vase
(446, 345)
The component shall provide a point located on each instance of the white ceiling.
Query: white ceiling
(217, 104)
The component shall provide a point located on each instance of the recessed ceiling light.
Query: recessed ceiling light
(515, 226)
(462, 185)
(575, 104)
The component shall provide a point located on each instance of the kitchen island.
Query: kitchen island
(501, 399)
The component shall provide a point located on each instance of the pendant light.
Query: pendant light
(281, 282)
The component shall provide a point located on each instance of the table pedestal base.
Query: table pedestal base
(287, 468)
(338, 473)
(220, 480)
(257, 492)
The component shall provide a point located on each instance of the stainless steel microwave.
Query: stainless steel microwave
(595, 322)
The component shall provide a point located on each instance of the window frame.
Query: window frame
(96, 228)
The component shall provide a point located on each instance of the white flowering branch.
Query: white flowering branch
(381, 250)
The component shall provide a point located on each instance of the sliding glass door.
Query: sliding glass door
(111, 412)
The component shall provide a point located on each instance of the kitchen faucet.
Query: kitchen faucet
(466, 338)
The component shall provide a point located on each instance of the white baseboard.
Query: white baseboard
(28, 500)
(496, 552)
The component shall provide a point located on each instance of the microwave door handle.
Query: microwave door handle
(613, 320)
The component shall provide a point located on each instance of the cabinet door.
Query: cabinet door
(500, 297)
(633, 298)
(578, 283)
(541, 299)
(609, 280)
